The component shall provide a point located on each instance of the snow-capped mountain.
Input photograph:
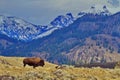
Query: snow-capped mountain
(63, 21)
(59, 22)
(19, 29)
(25, 31)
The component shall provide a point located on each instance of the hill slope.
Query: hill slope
(12, 68)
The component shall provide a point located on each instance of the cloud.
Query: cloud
(63, 4)
(115, 3)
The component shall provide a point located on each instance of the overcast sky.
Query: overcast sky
(44, 11)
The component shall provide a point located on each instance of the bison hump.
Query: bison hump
(32, 60)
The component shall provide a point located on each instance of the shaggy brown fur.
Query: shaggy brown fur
(33, 62)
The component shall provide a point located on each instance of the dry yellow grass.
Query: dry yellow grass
(13, 66)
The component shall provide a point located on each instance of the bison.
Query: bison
(33, 62)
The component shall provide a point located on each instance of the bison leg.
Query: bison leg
(24, 65)
(34, 66)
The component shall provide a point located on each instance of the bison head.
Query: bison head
(41, 63)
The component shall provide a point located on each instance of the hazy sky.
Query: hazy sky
(44, 11)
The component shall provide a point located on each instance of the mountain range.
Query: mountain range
(90, 37)
(22, 30)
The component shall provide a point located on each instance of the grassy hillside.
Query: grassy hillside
(11, 68)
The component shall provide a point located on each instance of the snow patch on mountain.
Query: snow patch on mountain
(46, 33)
